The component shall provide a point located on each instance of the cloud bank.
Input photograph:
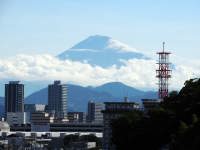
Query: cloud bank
(138, 73)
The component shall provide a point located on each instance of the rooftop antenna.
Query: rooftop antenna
(163, 46)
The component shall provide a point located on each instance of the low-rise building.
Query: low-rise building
(114, 110)
(31, 108)
(15, 141)
(17, 118)
(40, 121)
(81, 145)
(149, 104)
(76, 116)
(76, 127)
(34, 107)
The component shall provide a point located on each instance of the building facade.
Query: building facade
(34, 107)
(14, 97)
(94, 113)
(31, 108)
(40, 121)
(149, 104)
(17, 118)
(76, 116)
(114, 110)
(57, 99)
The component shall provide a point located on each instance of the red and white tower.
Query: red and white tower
(163, 73)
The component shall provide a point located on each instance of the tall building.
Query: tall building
(57, 99)
(94, 113)
(14, 97)
(114, 110)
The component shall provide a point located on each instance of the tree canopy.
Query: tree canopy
(174, 125)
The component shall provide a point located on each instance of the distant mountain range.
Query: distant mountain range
(79, 96)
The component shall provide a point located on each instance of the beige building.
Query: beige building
(4, 126)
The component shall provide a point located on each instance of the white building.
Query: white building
(17, 118)
(34, 107)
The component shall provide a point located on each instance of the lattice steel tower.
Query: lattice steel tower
(163, 73)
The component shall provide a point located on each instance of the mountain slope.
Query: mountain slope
(119, 89)
(38, 97)
(102, 51)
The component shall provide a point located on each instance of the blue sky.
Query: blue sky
(32, 32)
(52, 26)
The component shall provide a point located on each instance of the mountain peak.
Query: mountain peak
(101, 50)
(94, 42)
(116, 84)
(98, 36)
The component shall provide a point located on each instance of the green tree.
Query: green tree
(174, 124)
(194, 119)
(91, 138)
(182, 128)
(70, 138)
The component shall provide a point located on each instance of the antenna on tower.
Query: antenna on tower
(163, 46)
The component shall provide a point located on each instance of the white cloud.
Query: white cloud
(184, 69)
(138, 73)
(115, 44)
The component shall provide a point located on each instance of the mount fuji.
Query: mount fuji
(102, 51)
(95, 50)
